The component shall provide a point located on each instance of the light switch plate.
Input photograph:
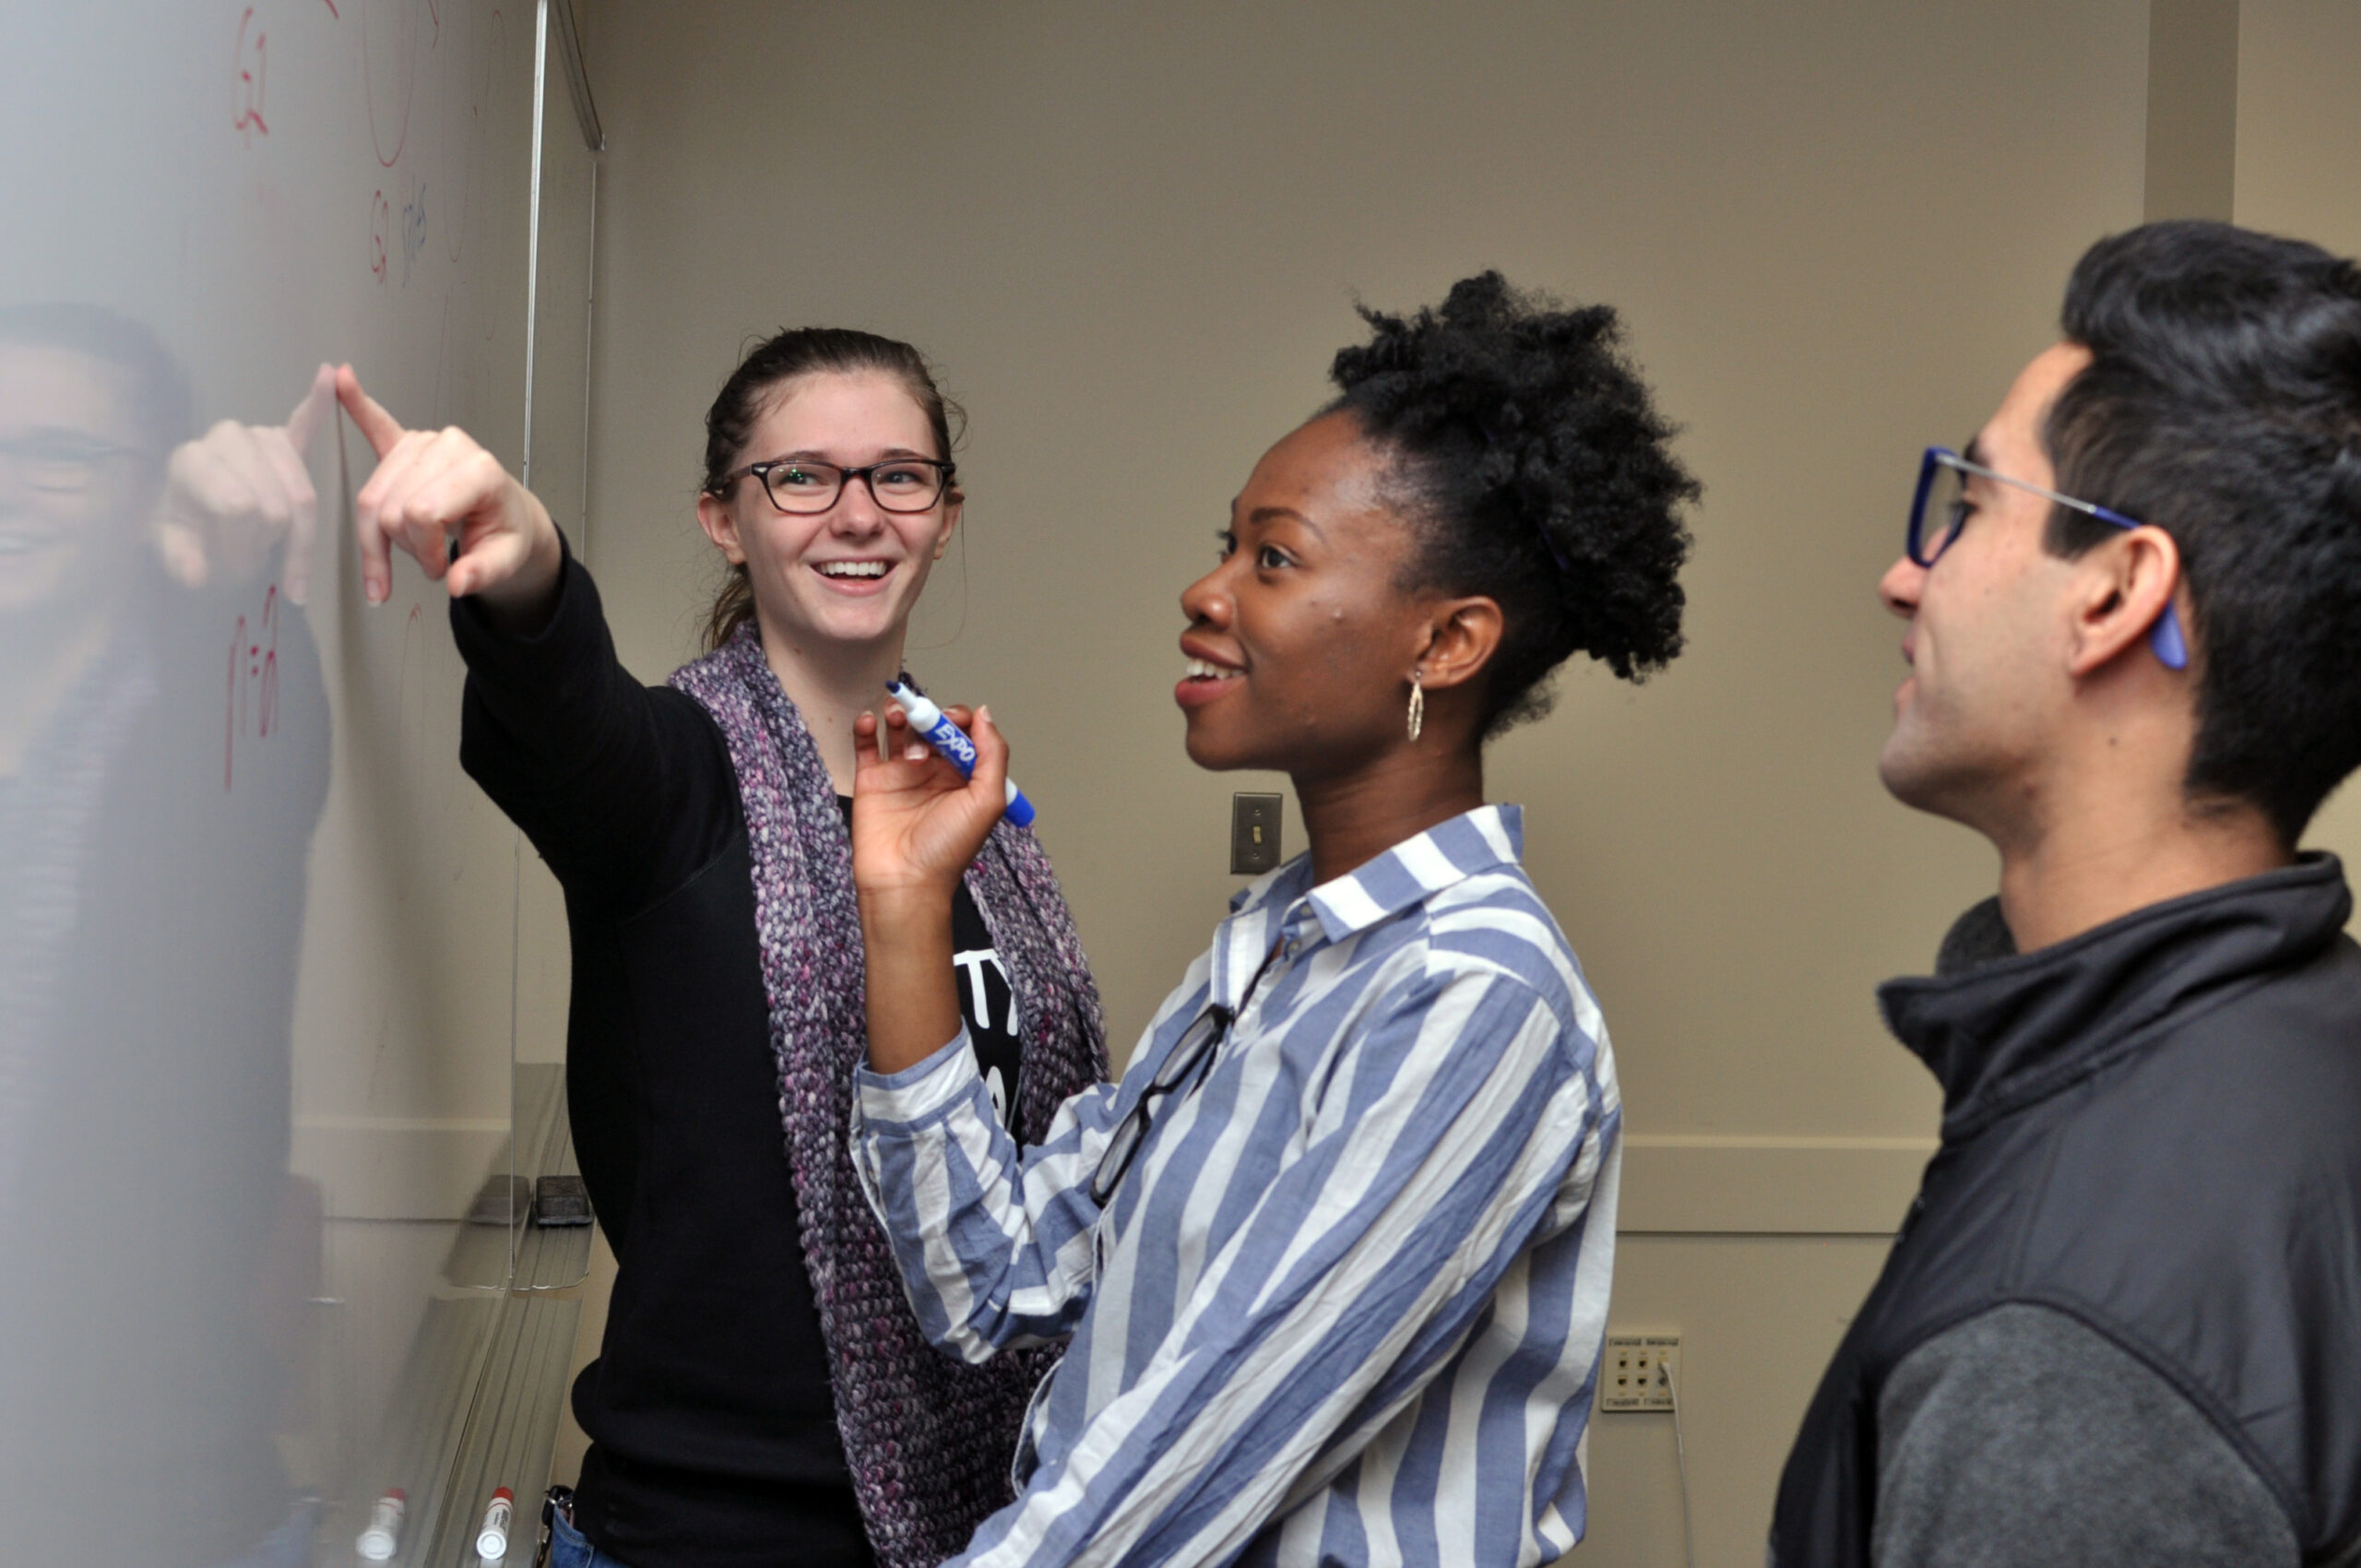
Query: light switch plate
(1253, 834)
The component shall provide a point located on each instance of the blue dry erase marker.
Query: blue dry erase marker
(951, 742)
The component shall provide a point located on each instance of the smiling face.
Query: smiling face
(1300, 643)
(848, 576)
(1990, 637)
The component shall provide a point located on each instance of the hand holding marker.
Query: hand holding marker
(952, 743)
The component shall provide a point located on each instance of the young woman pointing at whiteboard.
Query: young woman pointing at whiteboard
(763, 1392)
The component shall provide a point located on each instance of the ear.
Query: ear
(2122, 588)
(954, 507)
(721, 526)
(1463, 634)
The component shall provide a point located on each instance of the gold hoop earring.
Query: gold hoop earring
(1417, 706)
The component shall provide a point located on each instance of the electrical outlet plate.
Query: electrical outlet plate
(1639, 1371)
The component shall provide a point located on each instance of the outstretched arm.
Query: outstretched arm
(623, 789)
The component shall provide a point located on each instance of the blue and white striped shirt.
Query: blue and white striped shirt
(1347, 1303)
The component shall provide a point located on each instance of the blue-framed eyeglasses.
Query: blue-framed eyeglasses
(1939, 508)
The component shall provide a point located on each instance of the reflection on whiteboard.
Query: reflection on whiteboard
(258, 936)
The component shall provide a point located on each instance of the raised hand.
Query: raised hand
(435, 487)
(916, 825)
(235, 493)
(916, 822)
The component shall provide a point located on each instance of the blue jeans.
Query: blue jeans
(568, 1549)
(290, 1544)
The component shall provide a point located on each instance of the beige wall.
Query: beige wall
(1133, 236)
(2299, 121)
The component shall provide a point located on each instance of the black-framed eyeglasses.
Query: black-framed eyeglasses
(1940, 509)
(800, 484)
(1189, 1053)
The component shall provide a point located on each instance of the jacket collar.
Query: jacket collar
(2019, 1029)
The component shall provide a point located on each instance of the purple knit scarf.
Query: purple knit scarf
(928, 1438)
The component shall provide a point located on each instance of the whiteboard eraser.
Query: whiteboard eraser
(561, 1200)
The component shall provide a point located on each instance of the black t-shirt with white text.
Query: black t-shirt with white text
(987, 1002)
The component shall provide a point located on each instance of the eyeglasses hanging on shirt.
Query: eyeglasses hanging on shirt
(1179, 1067)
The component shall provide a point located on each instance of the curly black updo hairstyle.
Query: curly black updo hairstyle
(1539, 474)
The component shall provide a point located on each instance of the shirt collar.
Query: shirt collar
(1281, 906)
(1410, 872)
(1416, 869)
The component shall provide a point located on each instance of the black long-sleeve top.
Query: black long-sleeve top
(709, 1405)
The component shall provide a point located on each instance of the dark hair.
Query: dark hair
(792, 352)
(1539, 474)
(2222, 404)
(160, 400)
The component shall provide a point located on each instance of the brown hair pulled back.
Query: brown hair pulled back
(768, 366)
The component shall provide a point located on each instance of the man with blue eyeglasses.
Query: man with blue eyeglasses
(2122, 1322)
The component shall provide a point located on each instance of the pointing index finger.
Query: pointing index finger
(306, 419)
(379, 428)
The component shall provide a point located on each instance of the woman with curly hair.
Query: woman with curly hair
(1330, 1262)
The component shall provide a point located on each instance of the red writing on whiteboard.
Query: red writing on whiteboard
(381, 233)
(251, 62)
(249, 705)
(414, 231)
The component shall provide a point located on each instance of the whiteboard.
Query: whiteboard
(270, 954)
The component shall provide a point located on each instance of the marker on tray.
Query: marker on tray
(953, 743)
(384, 1531)
(491, 1541)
